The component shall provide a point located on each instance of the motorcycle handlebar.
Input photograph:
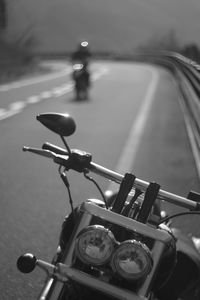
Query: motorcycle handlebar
(142, 185)
(61, 156)
(55, 149)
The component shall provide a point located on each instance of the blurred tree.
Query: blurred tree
(3, 15)
(169, 42)
(192, 51)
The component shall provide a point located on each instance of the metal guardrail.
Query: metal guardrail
(189, 82)
(187, 73)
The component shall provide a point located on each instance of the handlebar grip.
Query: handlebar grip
(55, 149)
(149, 200)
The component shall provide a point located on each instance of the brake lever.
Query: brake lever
(45, 153)
(78, 161)
(57, 158)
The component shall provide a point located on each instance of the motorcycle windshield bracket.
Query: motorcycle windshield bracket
(125, 188)
(148, 202)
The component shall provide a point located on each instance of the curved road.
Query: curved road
(132, 123)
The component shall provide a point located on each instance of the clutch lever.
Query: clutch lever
(57, 158)
(46, 153)
(54, 148)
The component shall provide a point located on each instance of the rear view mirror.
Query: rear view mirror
(62, 124)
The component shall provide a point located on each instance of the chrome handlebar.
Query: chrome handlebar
(115, 177)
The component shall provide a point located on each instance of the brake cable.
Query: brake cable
(66, 182)
(179, 215)
(85, 172)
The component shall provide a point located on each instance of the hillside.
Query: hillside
(14, 63)
(118, 25)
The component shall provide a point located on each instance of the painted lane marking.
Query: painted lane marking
(46, 95)
(60, 91)
(2, 111)
(17, 107)
(30, 81)
(99, 73)
(8, 114)
(33, 99)
(128, 156)
(42, 78)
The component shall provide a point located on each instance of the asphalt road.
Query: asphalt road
(132, 122)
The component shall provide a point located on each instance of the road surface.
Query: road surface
(132, 122)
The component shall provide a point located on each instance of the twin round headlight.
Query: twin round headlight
(132, 260)
(96, 246)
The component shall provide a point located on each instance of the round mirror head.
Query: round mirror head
(62, 124)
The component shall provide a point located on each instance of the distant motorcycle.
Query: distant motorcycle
(80, 76)
(121, 247)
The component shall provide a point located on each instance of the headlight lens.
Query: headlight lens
(132, 260)
(95, 245)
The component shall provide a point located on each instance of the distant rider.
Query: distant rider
(82, 56)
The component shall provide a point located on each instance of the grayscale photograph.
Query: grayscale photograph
(100, 149)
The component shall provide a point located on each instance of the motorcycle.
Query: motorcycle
(122, 246)
(80, 76)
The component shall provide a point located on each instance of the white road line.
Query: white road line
(17, 107)
(33, 99)
(38, 79)
(99, 73)
(128, 156)
(2, 111)
(46, 95)
(59, 91)
(8, 114)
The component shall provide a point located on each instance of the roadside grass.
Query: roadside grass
(13, 71)
(16, 63)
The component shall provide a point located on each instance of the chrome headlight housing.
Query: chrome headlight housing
(132, 260)
(95, 245)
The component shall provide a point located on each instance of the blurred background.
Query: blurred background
(142, 115)
(113, 26)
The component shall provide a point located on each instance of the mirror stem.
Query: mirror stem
(65, 143)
